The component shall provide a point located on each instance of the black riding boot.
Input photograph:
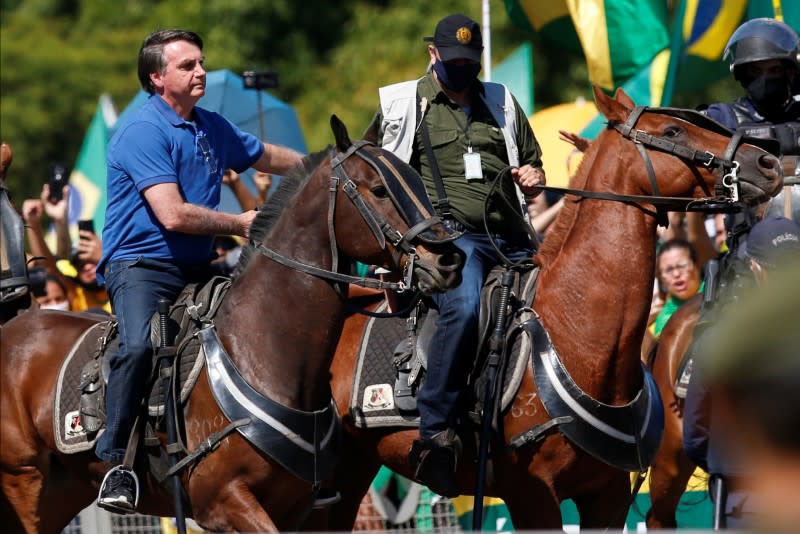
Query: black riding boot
(436, 460)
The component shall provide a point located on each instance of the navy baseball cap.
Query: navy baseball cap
(458, 37)
(771, 238)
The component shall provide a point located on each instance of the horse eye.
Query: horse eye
(672, 131)
(380, 191)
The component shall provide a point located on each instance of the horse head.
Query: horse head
(395, 226)
(685, 151)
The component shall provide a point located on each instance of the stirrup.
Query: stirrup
(111, 506)
(326, 497)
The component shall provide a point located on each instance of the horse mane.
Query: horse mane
(268, 214)
(557, 233)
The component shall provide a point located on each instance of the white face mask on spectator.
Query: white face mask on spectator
(61, 306)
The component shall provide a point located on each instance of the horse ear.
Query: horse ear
(5, 158)
(340, 134)
(622, 97)
(612, 109)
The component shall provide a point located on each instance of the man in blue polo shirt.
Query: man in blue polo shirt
(165, 169)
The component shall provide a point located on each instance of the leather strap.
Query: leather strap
(442, 203)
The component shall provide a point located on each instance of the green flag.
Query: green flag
(617, 37)
(88, 178)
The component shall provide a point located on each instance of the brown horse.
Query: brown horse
(671, 469)
(279, 323)
(597, 265)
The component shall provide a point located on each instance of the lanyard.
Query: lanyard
(462, 127)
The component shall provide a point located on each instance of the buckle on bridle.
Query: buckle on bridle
(711, 157)
(635, 136)
(408, 271)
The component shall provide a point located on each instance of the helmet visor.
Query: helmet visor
(761, 39)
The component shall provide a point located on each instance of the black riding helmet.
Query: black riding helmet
(761, 39)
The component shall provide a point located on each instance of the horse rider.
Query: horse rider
(165, 170)
(764, 57)
(459, 133)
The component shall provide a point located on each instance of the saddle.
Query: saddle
(305, 443)
(80, 389)
(385, 389)
(625, 437)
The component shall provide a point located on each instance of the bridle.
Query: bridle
(415, 209)
(726, 194)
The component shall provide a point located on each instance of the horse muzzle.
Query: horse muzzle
(437, 272)
(765, 184)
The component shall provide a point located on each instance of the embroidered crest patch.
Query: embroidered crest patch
(72, 424)
(378, 397)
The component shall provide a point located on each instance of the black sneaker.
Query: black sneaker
(119, 492)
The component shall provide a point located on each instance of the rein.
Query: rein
(381, 229)
(728, 169)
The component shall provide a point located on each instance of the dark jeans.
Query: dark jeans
(135, 287)
(454, 342)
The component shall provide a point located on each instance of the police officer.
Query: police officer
(764, 57)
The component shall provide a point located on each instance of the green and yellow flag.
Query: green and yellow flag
(617, 37)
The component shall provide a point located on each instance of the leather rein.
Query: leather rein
(381, 229)
(727, 167)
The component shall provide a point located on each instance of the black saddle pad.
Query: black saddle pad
(70, 435)
(202, 301)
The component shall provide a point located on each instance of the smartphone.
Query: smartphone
(58, 179)
(86, 224)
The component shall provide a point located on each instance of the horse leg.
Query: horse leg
(532, 502)
(236, 509)
(354, 473)
(668, 478)
(42, 498)
(605, 508)
(21, 492)
(533, 507)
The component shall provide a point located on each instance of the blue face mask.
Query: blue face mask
(456, 77)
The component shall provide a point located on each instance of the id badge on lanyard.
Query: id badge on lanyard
(472, 165)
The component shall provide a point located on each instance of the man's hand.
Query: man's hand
(529, 179)
(245, 219)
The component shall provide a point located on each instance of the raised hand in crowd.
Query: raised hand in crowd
(580, 143)
(263, 181)
(243, 195)
(89, 248)
(58, 212)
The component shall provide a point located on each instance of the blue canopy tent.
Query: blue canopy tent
(226, 94)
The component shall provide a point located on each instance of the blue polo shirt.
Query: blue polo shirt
(158, 146)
